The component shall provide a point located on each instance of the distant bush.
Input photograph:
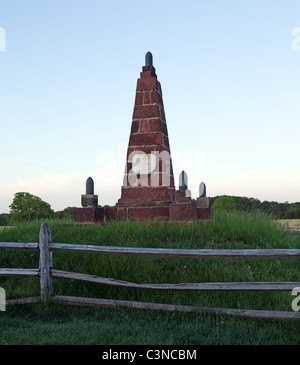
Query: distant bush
(293, 213)
(67, 213)
(277, 210)
(26, 208)
(5, 219)
(226, 203)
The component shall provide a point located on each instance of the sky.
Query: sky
(230, 77)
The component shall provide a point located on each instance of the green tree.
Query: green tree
(265, 205)
(26, 208)
(4, 219)
(293, 213)
(67, 213)
(226, 203)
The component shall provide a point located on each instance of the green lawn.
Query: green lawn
(61, 324)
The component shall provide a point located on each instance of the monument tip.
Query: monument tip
(183, 181)
(149, 59)
(202, 190)
(89, 186)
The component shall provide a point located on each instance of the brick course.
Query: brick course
(145, 139)
(88, 215)
(183, 212)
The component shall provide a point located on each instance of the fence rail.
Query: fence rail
(291, 254)
(233, 286)
(46, 273)
(18, 246)
(178, 253)
(19, 272)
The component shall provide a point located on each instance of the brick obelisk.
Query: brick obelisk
(148, 190)
(148, 186)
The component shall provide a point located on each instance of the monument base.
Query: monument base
(89, 201)
(173, 212)
(183, 212)
(202, 202)
(146, 196)
(137, 213)
(183, 196)
(204, 213)
(88, 215)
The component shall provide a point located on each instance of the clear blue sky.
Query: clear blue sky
(231, 87)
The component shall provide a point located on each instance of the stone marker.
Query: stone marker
(89, 186)
(202, 201)
(183, 181)
(89, 213)
(202, 190)
(183, 195)
(89, 200)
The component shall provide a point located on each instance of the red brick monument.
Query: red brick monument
(148, 186)
(148, 191)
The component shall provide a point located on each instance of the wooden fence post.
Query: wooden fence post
(45, 263)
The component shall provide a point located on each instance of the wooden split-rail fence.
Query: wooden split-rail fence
(46, 272)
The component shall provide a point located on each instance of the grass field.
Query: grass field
(58, 324)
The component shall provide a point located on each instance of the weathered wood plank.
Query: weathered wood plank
(18, 246)
(178, 253)
(244, 286)
(18, 272)
(23, 300)
(109, 303)
(158, 252)
(45, 263)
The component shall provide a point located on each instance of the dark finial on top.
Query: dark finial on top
(149, 59)
(202, 190)
(183, 181)
(90, 186)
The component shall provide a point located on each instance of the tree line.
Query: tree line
(27, 207)
(277, 210)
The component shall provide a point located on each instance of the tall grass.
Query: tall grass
(225, 229)
(232, 230)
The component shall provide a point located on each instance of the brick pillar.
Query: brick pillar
(148, 179)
